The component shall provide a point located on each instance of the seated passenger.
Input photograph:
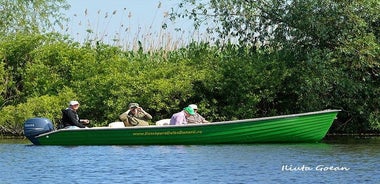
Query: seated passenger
(70, 118)
(135, 116)
(196, 118)
(179, 118)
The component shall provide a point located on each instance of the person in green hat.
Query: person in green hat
(135, 116)
(179, 118)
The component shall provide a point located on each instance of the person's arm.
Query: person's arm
(203, 120)
(84, 121)
(182, 120)
(146, 115)
(124, 118)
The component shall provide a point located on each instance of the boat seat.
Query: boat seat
(163, 122)
(117, 124)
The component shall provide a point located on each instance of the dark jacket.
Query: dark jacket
(71, 118)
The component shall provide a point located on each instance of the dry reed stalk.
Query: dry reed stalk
(150, 38)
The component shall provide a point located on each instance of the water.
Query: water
(339, 161)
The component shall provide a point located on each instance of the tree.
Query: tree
(331, 48)
(323, 24)
(31, 16)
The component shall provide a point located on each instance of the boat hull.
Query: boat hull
(306, 127)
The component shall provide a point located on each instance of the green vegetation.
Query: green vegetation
(289, 57)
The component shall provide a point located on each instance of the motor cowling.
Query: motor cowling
(36, 126)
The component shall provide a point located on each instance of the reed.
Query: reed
(117, 28)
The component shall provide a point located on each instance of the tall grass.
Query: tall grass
(117, 28)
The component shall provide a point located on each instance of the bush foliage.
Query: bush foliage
(42, 74)
(302, 65)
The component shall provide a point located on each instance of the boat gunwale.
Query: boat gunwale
(191, 125)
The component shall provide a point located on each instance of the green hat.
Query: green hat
(189, 110)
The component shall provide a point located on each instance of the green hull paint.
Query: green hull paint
(306, 127)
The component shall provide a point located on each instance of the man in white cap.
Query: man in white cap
(70, 118)
(196, 118)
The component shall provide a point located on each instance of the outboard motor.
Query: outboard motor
(36, 126)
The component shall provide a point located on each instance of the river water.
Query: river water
(338, 160)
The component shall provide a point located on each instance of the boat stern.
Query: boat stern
(36, 126)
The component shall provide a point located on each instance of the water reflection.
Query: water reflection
(246, 163)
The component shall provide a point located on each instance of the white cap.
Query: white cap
(195, 107)
(73, 102)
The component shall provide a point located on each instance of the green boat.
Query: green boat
(304, 127)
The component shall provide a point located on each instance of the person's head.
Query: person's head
(74, 104)
(133, 105)
(195, 107)
(188, 111)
